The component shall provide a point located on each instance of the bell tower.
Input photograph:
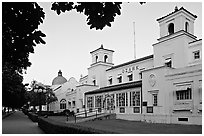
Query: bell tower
(101, 60)
(179, 19)
(102, 55)
(176, 31)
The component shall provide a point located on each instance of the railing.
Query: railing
(95, 111)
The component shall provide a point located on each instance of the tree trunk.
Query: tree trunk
(48, 107)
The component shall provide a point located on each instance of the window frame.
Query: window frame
(196, 55)
(130, 77)
(155, 101)
(135, 98)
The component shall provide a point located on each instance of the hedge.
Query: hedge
(33, 116)
(53, 127)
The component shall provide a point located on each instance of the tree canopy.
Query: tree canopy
(20, 21)
(99, 14)
(20, 34)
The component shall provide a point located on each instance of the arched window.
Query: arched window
(96, 58)
(63, 104)
(186, 27)
(105, 58)
(171, 28)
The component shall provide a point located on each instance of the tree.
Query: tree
(36, 99)
(20, 21)
(99, 14)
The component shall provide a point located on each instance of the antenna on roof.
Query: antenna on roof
(134, 40)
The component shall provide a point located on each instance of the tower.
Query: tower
(101, 60)
(176, 31)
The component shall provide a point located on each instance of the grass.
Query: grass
(135, 127)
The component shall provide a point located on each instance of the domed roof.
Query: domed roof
(59, 79)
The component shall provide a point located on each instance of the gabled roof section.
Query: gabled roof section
(177, 10)
(195, 41)
(102, 48)
(130, 62)
(116, 87)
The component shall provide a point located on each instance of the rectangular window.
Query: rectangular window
(121, 99)
(122, 110)
(94, 82)
(140, 75)
(144, 104)
(184, 94)
(120, 79)
(155, 99)
(112, 101)
(110, 81)
(196, 54)
(98, 101)
(182, 119)
(90, 102)
(126, 99)
(168, 62)
(130, 77)
(150, 109)
(135, 98)
(117, 100)
(136, 109)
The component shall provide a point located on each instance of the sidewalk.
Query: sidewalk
(18, 123)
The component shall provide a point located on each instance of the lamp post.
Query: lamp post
(40, 90)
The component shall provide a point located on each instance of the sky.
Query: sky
(69, 40)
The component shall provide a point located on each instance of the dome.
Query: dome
(59, 79)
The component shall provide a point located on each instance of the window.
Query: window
(171, 28)
(186, 27)
(136, 109)
(110, 81)
(140, 75)
(112, 101)
(105, 58)
(90, 102)
(73, 104)
(183, 94)
(94, 82)
(96, 58)
(130, 77)
(122, 110)
(120, 79)
(155, 99)
(150, 109)
(135, 98)
(196, 54)
(63, 104)
(98, 101)
(168, 62)
(69, 104)
(121, 99)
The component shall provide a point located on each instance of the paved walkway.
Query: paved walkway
(18, 123)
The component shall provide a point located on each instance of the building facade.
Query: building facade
(165, 87)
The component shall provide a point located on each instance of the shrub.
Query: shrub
(53, 127)
(33, 117)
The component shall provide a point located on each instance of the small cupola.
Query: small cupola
(178, 20)
(102, 55)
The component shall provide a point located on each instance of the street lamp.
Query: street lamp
(40, 89)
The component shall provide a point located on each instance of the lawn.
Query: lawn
(135, 127)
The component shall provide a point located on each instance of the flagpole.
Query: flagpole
(134, 41)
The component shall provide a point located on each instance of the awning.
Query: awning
(129, 73)
(167, 60)
(183, 87)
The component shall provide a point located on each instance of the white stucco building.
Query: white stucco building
(165, 87)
